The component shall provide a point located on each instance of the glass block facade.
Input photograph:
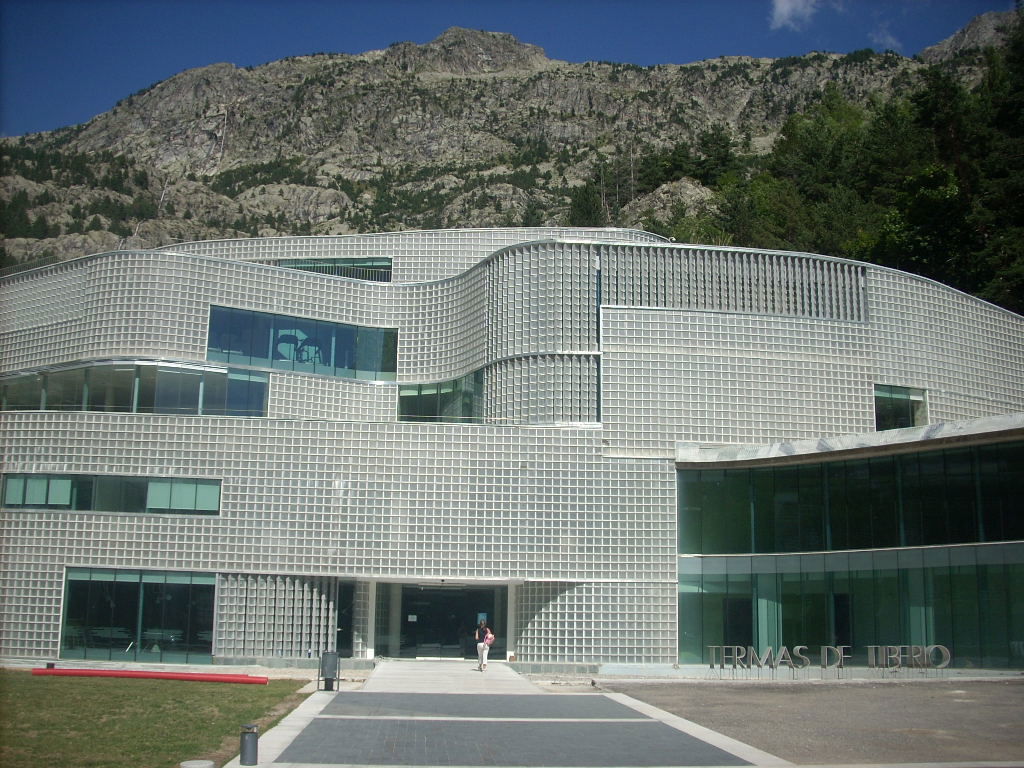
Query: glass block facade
(558, 429)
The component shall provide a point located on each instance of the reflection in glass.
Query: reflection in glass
(889, 597)
(247, 337)
(111, 493)
(145, 389)
(111, 388)
(899, 407)
(177, 391)
(457, 400)
(957, 496)
(65, 390)
(150, 616)
(23, 393)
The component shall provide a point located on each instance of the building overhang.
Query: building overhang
(992, 429)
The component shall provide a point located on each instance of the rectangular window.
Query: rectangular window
(928, 498)
(177, 391)
(14, 490)
(457, 400)
(35, 490)
(302, 344)
(247, 393)
(207, 495)
(222, 343)
(65, 390)
(59, 492)
(109, 493)
(110, 388)
(143, 388)
(23, 393)
(183, 495)
(159, 495)
(899, 407)
(151, 616)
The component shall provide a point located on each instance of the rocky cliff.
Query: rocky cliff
(472, 129)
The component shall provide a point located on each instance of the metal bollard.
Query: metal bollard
(248, 750)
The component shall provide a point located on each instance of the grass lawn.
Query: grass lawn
(83, 722)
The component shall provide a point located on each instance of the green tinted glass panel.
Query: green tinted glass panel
(183, 494)
(369, 346)
(177, 391)
(59, 492)
(221, 342)
(14, 490)
(35, 490)
(107, 493)
(208, 496)
(159, 494)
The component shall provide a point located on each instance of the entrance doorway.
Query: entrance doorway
(346, 622)
(439, 621)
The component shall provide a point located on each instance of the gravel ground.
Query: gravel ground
(853, 722)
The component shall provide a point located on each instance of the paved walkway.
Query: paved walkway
(446, 713)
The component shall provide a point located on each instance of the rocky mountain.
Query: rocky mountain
(473, 129)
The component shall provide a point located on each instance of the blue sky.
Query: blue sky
(64, 61)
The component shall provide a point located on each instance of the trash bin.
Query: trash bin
(329, 669)
(248, 748)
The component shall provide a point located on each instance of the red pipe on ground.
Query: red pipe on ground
(203, 677)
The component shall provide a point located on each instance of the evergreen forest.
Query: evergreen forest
(930, 183)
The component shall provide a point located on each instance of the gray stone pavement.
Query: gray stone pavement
(446, 713)
(944, 721)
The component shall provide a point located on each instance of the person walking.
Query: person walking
(484, 639)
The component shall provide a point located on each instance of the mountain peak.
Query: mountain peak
(982, 31)
(463, 51)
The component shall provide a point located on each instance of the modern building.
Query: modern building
(614, 448)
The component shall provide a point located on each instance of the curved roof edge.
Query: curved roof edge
(543, 233)
(989, 429)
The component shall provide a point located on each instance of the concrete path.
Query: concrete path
(446, 713)
(455, 676)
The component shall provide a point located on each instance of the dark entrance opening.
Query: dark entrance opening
(346, 597)
(439, 621)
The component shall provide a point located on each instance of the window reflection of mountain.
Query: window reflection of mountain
(308, 351)
(289, 346)
(290, 342)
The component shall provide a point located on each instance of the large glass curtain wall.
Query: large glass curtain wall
(958, 496)
(245, 337)
(966, 598)
(150, 616)
(139, 388)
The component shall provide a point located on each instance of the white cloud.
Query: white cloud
(792, 13)
(884, 39)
